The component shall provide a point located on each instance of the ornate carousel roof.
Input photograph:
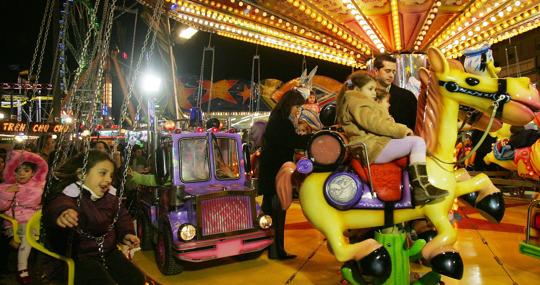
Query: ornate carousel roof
(349, 31)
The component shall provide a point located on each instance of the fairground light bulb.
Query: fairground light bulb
(150, 84)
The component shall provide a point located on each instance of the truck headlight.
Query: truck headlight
(187, 232)
(265, 221)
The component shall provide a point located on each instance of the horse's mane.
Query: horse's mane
(430, 106)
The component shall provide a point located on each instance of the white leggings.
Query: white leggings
(413, 146)
(24, 249)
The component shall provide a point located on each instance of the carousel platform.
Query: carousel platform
(490, 254)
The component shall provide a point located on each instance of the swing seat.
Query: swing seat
(15, 225)
(32, 236)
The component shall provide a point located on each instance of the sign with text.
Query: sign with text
(33, 128)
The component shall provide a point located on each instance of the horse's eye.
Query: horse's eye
(472, 81)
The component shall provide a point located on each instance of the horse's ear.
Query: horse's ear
(437, 61)
(492, 70)
(424, 75)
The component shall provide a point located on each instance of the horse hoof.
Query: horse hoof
(427, 235)
(377, 264)
(469, 199)
(448, 264)
(351, 274)
(492, 207)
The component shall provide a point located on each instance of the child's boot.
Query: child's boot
(424, 192)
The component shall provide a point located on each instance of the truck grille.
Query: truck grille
(226, 214)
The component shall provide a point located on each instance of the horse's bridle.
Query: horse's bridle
(501, 96)
(499, 99)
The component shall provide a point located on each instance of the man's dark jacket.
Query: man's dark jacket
(403, 106)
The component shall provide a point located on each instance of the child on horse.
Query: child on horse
(365, 120)
(20, 198)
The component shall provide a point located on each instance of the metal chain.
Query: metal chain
(77, 105)
(101, 248)
(101, 63)
(61, 141)
(155, 16)
(154, 21)
(30, 73)
(84, 52)
(48, 15)
(100, 239)
(62, 59)
(104, 53)
(96, 53)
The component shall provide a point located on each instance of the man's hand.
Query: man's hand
(69, 218)
(132, 241)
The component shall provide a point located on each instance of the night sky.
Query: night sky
(20, 26)
(233, 60)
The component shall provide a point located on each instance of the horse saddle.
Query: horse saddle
(346, 190)
(386, 178)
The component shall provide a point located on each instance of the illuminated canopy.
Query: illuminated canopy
(350, 31)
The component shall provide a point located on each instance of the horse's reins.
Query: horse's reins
(471, 116)
(499, 98)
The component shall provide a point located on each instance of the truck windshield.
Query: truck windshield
(194, 159)
(225, 158)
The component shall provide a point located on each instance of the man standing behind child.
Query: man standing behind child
(402, 101)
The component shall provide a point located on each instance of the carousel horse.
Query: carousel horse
(445, 87)
(524, 160)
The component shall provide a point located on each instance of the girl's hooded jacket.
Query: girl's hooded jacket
(24, 203)
(367, 121)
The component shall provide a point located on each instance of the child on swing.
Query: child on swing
(20, 198)
(97, 209)
(365, 120)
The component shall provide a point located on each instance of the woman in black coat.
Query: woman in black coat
(279, 142)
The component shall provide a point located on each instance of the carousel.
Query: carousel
(199, 217)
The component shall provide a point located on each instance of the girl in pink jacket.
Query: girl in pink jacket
(20, 198)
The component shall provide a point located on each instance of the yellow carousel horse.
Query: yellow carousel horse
(445, 87)
(525, 161)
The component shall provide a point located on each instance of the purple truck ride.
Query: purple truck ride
(202, 208)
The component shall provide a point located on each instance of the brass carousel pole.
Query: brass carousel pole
(177, 110)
